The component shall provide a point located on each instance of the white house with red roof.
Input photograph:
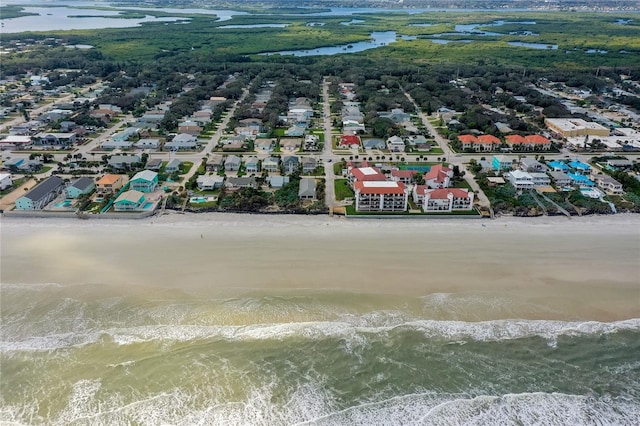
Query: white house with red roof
(438, 177)
(539, 142)
(349, 142)
(486, 143)
(467, 141)
(380, 196)
(362, 174)
(443, 200)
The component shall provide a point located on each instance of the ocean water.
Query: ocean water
(92, 354)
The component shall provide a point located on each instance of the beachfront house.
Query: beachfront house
(439, 176)
(41, 195)
(144, 181)
(519, 179)
(111, 183)
(443, 199)
(131, 200)
(80, 186)
(209, 182)
(307, 189)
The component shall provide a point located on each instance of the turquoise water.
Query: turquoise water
(104, 355)
(65, 203)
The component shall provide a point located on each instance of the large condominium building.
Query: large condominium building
(381, 196)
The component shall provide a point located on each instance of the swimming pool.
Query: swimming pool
(64, 204)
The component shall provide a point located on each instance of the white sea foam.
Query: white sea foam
(354, 331)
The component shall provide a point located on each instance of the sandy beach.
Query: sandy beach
(588, 268)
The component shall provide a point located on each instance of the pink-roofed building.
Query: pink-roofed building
(539, 142)
(467, 141)
(438, 177)
(381, 196)
(443, 200)
(362, 174)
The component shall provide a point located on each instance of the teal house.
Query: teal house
(83, 185)
(144, 181)
(129, 201)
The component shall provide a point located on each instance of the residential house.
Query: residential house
(144, 181)
(560, 179)
(540, 179)
(153, 117)
(349, 142)
(182, 141)
(125, 134)
(209, 182)
(383, 196)
(80, 186)
(252, 165)
(532, 165)
(277, 181)
(501, 162)
(486, 143)
(290, 164)
(444, 199)
(190, 127)
(580, 180)
(271, 164)
(173, 165)
(215, 163)
(123, 161)
(467, 141)
(264, 144)
(517, 143)
(113, 144)
(232, 163)
(45, 192)
(539, 142)
(307, 190)
(395, 144)
(131, 200)
(54, 139)
(580, 166)
(373, 143)
(111, 183)
(608, 184)
(439, 176)
(519, 179)
(309, 165)
(311, 143)
(621, 164)
(290, 145)
(234, 183)
(154, 164)
(5, 181)
(147, 143)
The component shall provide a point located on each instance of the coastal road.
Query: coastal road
(327, 156)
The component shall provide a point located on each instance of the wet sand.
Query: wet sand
(588, 268)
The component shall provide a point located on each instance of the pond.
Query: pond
(534, 45)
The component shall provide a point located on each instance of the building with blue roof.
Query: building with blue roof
(580, 180)
(558, 166)
(580, 166)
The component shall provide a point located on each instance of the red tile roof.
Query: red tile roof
(515, 139)
(443, 194)
(367, 174)
(538, 140)
(466, 139)
(386, 188)
(349, 140)
(488, 139)
(437, 172)
(407, 174)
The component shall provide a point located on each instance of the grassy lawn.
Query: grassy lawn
(16, 184)
(337, 168)
(185, 167)
(342, 189)
(462, 184)
(45, 169)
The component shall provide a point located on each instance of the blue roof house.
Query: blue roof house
(580, 166)
(558, 166)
